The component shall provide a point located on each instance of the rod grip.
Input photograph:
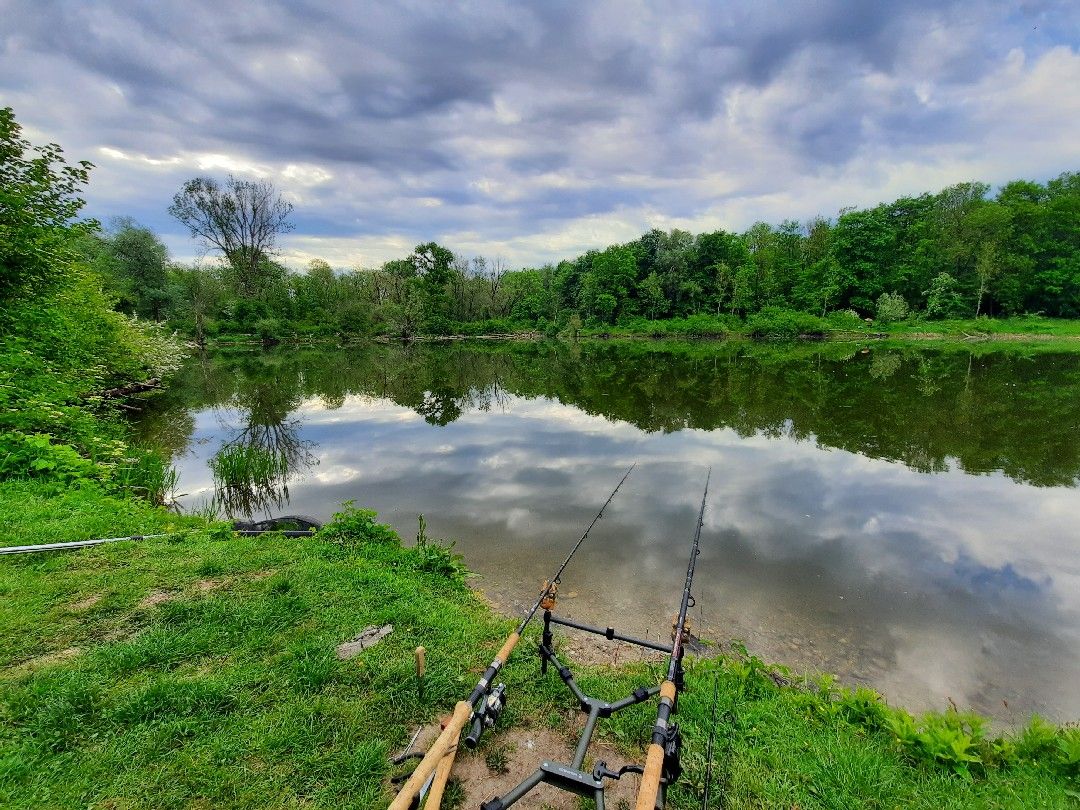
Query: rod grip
(650, 779)
(431, 759)
(438, 785)
(507, 647)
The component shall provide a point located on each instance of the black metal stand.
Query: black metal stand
(569, 776)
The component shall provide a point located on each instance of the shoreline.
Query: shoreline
(922, 336)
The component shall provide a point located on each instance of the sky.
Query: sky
(533, 132)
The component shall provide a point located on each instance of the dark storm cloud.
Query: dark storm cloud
(493, 119)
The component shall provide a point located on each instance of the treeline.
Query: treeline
(957, 253)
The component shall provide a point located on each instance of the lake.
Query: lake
(905, 518)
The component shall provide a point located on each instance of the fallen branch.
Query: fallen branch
(125, 391)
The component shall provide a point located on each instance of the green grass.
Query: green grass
(198, 670)
(775, 324)
(34, 513)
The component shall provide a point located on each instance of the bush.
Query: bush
(36, 456)
(773, 323)
(891, 307)
(268, 330)
(353, 527)
(846, 320)
(943, 298)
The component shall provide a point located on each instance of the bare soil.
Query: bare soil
(507, 757)
(86, 602)
(155, 598)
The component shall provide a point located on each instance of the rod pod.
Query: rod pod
(465, 709)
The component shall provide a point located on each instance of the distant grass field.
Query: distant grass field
(780, 324)
(198, 670)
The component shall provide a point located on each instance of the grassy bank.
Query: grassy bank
(768, 325)
(199, 670)
(791, 325)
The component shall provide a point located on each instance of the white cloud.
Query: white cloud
(539, 134)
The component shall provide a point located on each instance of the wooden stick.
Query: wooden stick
(442, 775)
(420, 653)
(434, 755)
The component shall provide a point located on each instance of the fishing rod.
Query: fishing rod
(662, 760)
(483, 704)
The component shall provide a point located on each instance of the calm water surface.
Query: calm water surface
(907, 519)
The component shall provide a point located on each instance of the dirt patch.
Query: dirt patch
(121, 633)
(506, 758)
(86, 602)
(207, 585)
(155, 598)
(55, 657)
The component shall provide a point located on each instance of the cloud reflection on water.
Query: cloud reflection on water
(927, 586)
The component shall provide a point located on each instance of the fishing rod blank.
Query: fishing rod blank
(669, 689)
(465, 709)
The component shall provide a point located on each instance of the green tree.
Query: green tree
(606, 289)
(434, 268)
(943, 299)
(136, 260)
(39, 200)
(240, 219)
(195, 293)
(651, 294)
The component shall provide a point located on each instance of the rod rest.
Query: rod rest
(610, 633)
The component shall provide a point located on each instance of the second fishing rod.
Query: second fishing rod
(662, 761)
(479, 706)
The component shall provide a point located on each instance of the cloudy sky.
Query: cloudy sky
(536, 131)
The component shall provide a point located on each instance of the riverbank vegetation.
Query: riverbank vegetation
(67, 356)
(915, 264)
(200, 667)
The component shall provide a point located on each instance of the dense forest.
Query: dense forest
(961, 252)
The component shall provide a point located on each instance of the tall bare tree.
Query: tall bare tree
(240, 218)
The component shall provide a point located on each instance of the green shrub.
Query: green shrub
(268, 330)
(1037, 739)
(437, 558)
(943, 298)
(891, 307)
(773, 323)
(1068, 745)
(36, 456)
(846, 320)
(352, 527)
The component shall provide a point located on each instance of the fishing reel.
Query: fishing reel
(487, 715)
(551, 591)
(672, 768)
(685, 630)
